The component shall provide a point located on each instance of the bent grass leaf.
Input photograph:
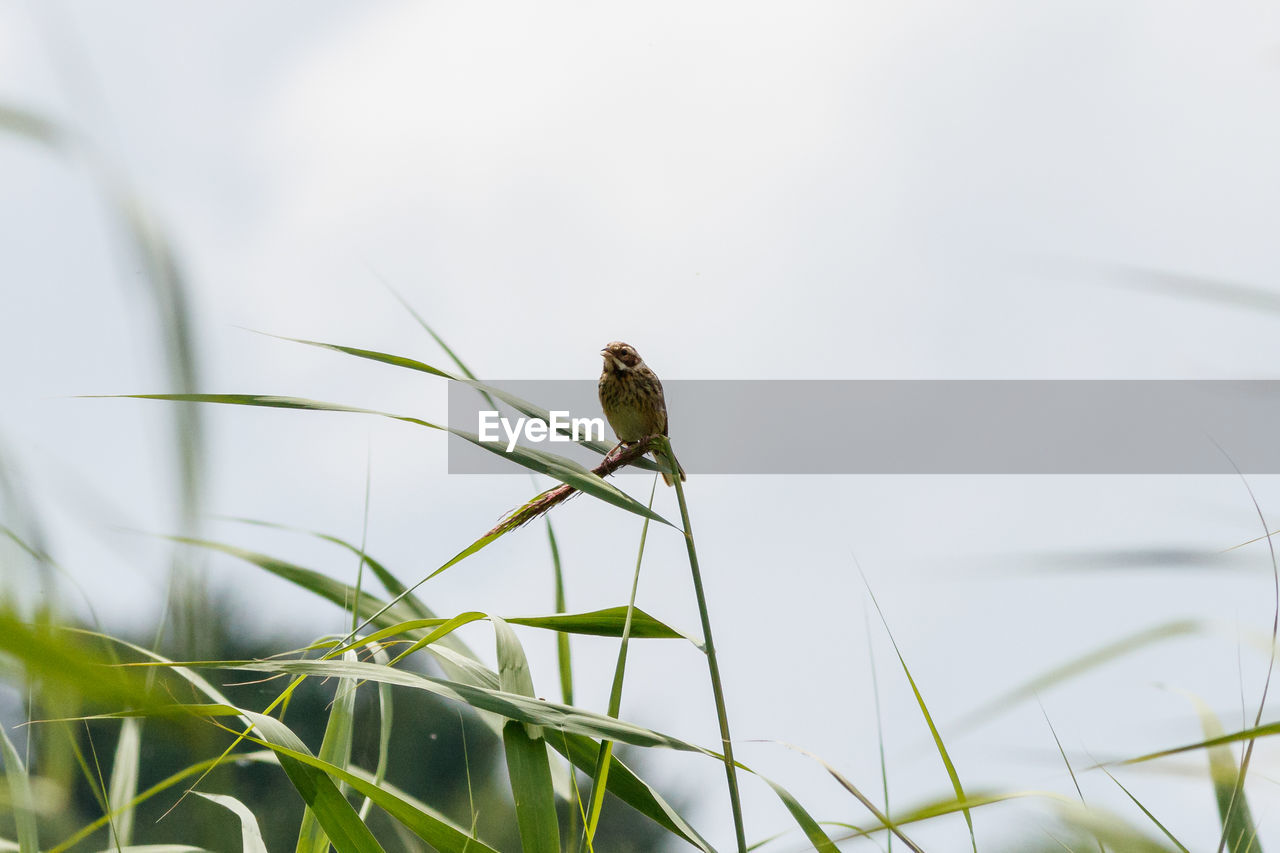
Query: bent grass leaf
(250, 833)
(339, 820)
(557, 467)
(523, 406)
(433, 829)
(510, 705)
(623, 783)
(819, 839)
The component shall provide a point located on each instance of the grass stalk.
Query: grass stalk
(713, 666)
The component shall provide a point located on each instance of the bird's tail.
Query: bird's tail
(672, 462)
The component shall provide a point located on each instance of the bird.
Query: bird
(631, 396)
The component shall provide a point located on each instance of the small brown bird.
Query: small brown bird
(631, 396)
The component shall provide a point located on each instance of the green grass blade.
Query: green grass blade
(335, 591)
(530, 775)
(435, 830)
(663, 447)
(819, 839)
(527, 765)
(513, 667)
(59, 658)
(197, 769)
(523, 406)
(385, 709)
(340, 822)
(1181, 847)
(859, 796)
(124, 780)
(393, 585)
(250, 833)
(1233, 807)
(928, 718)
(1264, 730)
(24, 810)
(609, 622)
(335, 749)
(564, 659)
(558, 467)
(628, 787)
(156, 848)
(513, 706)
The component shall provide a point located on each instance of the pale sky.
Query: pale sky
(816, 190)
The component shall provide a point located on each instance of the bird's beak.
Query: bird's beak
(605, 353)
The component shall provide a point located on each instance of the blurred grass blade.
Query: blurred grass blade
(1077, 666)
(928, 718)
(335, 749)
(197, 769)
(168, 292)
(322, 585)
(24, 810)
(124, 779)
(1265, 730)
(1233, 807)
(156, 848)
(458, 662)
(1110, 830)
(58, 658)
(389, 581)
(250, 834)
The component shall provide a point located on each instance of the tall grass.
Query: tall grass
(87, 693)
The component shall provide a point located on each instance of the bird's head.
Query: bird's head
(620, 357)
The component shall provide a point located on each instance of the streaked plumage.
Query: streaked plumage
(631, 396)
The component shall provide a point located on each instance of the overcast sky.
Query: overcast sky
(817, 190)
